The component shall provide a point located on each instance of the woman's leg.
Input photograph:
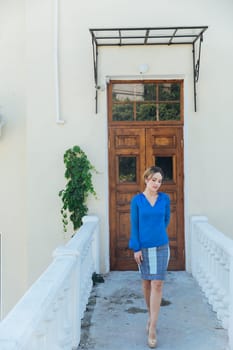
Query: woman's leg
(146, 286)
(146, 291)
(155, 302)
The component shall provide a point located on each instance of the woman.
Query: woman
(150, 215)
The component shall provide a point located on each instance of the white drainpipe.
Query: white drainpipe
(56, 64)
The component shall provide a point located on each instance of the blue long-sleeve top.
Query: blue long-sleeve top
(149, 223)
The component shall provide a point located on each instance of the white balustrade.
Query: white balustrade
(212, 267)
(48, 317)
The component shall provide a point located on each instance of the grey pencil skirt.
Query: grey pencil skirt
(155, 262)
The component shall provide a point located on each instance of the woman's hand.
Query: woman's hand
(138, 257)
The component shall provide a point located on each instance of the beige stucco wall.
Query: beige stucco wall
(32, 145)
(13, 176)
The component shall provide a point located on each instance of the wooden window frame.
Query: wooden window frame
(157, 102)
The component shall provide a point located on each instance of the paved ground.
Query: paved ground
(116, 316)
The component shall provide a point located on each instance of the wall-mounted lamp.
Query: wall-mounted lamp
(143, 68)
(100, 87)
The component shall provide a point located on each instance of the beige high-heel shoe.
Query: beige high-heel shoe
(152, 342)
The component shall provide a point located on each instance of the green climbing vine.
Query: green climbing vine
(79, 185)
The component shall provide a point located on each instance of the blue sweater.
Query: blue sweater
(149, 223)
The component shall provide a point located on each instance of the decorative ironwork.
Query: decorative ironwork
(149, 36)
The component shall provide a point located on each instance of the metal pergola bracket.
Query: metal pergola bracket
(196, 69)
(149, 36)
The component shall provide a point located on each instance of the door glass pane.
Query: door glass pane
(149, 92)
(133, 92)
(123, 92)
(122, 112)
(127, 169)
(166, 164)
(146, 111)
(169, 111)
(169, 92)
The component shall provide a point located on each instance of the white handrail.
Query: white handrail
(212, 266)
(48, 317)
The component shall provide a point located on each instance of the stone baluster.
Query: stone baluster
(40, 338)
(199, 253)
(66, 326)
(50, 326)
(213, 289)
(75, 304)
(225, 284)
(214, 274)
(194, 251)
(212, 268)
(95, 242)
(216, 296)
(206, 281)
(87, 269)
(218, 300)
(202, 258)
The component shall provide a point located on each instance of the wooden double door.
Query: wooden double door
(131, 151)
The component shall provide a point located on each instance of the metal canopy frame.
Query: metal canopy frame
(149, 36)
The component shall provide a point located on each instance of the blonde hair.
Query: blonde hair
(151, 171)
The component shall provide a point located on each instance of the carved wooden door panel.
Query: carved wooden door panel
(164, 148)
(131, 151)
(126, 164)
